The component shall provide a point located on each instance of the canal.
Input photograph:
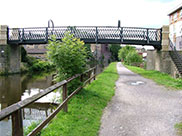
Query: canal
(18, 87)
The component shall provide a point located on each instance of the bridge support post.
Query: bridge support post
(10, 55)
(162, 57)
(165, 38)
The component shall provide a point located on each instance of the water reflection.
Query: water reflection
(15, 88)
(10, 90)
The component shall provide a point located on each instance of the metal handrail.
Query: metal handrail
(173, 48)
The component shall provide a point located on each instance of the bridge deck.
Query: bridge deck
(89, 34)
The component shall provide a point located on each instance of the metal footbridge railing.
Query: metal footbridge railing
(89, 34)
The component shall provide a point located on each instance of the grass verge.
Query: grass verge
(30, 128)
(85, 109)
(178, 127)
(158, 77)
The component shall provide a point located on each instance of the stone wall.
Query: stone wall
(161, 61)
(3, 60)
(102, 53)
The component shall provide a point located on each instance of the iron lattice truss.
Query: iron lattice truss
(89, 34)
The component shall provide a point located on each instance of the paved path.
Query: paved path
(140, 107)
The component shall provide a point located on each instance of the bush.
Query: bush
(114, 49)
(129, 56)
(36, 65)
(31, 60)
(123, 52)
(133, 58)
(69, 56)
(40, 65)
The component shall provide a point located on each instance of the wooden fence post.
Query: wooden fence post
(89, 76)
(17, 123)
(64, 96)
(94, 73)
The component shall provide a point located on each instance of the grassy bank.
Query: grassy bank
(158, 77)
(85, 109)
(178, 127)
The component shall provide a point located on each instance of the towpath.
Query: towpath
(140, 107)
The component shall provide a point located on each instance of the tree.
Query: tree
(114, 49)
(133, 58)
(129, 56)
(123, 52)
(69, 56)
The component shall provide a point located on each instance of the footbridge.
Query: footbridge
(89, 34)
(11, 39)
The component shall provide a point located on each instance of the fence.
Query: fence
(15, 109)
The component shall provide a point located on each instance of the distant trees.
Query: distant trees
(114, 49)
(123, 52)
(129, 56)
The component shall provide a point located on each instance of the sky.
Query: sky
(131, 13)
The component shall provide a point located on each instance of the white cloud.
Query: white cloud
(32, 13)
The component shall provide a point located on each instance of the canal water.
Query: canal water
(18, 87)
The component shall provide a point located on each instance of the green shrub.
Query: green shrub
(114, 49)
(129, 56)
(69, 57)
(133, 58)
(31, 60)
(123, 52)
(40, 65)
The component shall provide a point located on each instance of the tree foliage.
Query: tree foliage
(114, 49)
(123, 52)
(133, 58)
(69, 56)
(129, 56)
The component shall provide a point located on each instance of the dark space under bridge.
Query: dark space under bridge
(89, 34)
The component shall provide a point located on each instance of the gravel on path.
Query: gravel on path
(140, 107)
